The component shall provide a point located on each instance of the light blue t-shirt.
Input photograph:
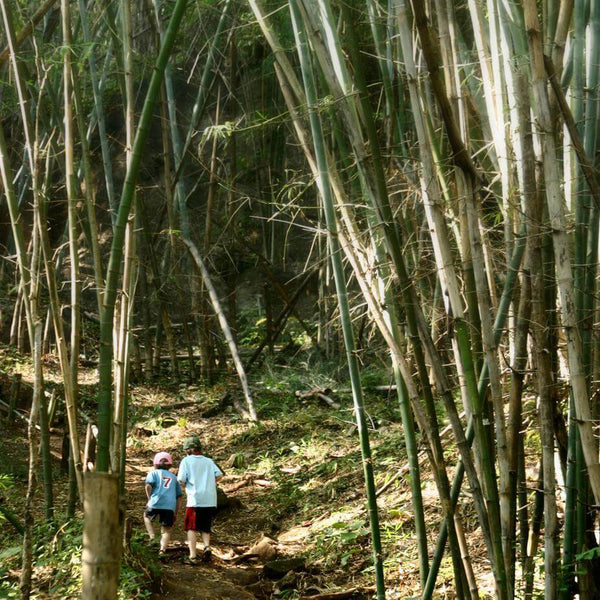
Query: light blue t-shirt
(165, 489)
(198, 473)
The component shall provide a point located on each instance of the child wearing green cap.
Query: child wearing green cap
(198, 475)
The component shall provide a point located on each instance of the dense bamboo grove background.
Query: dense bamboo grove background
(441, 157)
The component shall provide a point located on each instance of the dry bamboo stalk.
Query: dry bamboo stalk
(560, 238)
(214, 298)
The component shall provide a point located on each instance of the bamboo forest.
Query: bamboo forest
(341, 253)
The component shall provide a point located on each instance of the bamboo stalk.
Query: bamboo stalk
(216, 303)
(27, 30)
(106, 318)
(25, 581)
(72, 206)
(325, 190)
(555, 203)
(102, 537)
(96, 85)
(124, 314)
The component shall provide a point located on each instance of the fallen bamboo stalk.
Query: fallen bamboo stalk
(11, 518)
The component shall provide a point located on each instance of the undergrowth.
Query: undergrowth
(57, 565)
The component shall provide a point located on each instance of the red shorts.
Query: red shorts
(198, 518)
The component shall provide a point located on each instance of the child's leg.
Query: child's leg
(165, 537)
(149, 526)
(207, 552)
(191, 538)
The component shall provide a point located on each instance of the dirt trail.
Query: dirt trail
(216, 581)
(257, 509)
(235, 530)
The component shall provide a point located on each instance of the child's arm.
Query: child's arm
(148, 489)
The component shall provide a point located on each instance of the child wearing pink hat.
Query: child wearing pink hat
(164, 497)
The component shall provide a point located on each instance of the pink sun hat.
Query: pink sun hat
(160, 456)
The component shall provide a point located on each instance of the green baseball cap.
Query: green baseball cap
(192, 443)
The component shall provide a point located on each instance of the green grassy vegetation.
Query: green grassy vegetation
(57, 560)
(307, 451)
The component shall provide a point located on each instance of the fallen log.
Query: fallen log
(223, 402)
(372, 388)
(238, 486)
(247, 479)
(264, 483)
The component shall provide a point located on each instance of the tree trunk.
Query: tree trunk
(102, 537)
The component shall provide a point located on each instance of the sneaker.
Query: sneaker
(206, 554)
(162, 554)
(188, 560)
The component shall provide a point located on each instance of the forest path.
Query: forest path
(215, 581)
(236, 529)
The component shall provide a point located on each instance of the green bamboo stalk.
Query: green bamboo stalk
(44, 418)
(585, 287)
(374, 11)
(546, 412)
(328, 208)
(92, 225)
(114, 265)
(71, 187)
(99, 111)
(561, 247)
(123, 317)
(177, 148)
(25, 581)
(564, 275)
(515, 418)
(587, 198)
(575, 486)
(123, 360)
